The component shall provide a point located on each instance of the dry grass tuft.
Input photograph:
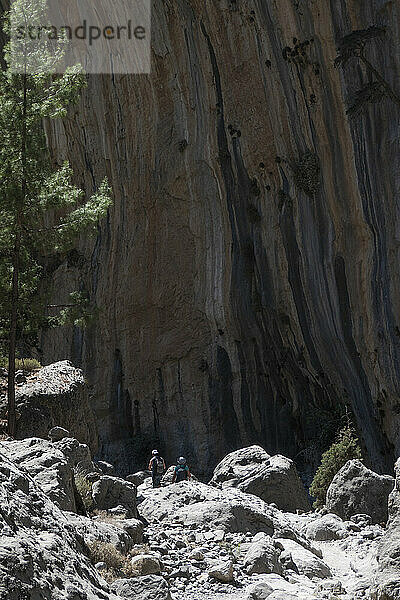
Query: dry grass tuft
(118, 565)
(27, 365)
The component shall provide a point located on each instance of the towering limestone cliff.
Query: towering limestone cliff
(248, 273)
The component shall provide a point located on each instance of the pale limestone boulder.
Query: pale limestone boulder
(109, 492)
(42, 555)
(262, 556)
(164, 502)
(207, 509)
(388, 576)
(280, 588)
(48, 466)
(146, 564)
(105, 467)
(307, 562)
(139, 477)
(222, 571)
(80, 458)
(149, 587)
(258, 591)
(123, 534)
(356, 489)
(326, 528)
(56, 396)
(274, 479)
(239, 466)
(75, 452)
(226, 516)
(196, 555)
(58, 433)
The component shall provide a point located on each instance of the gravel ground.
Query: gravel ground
(351, 560)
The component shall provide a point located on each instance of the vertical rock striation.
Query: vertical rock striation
(248, 271)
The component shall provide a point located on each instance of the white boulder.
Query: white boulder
(306, 562)
(222, 571)
(326, 528)
(110, 492)
(149, 587)
(41, 555)
(47, 465)
(262, 556)
(273, 479)
(146, 564)
(356, 489)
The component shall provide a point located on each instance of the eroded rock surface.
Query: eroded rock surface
(356, 489)
(194, 504)
(306, 562)
(262, 556)
(274, 479)
(326, 528)
(388, 578)
(111, 492)
(53, 396)
(248, 272)
(150, 587)
(198, 542)
(48, 466)
(239, 465)
(41, 555)
(123, 534)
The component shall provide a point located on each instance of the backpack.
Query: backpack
(158, 465)
(181, 473)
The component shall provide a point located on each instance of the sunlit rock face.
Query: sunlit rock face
(247, 274)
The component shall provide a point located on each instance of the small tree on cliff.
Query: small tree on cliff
(41, 211)
(353, 46)
(345, 448)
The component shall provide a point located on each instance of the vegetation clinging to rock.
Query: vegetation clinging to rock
(345, 448)
(117, 565)
(306, 173)
(84, 488)
(353, 45)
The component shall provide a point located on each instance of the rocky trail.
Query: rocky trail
(351, 561)
(72, 529)
(185, 541)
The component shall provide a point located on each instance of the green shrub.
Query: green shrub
(345, 448)
(118, 565)
(84, 488)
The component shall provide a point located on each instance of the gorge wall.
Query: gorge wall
(248, 273)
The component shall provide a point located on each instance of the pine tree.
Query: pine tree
(42, 213)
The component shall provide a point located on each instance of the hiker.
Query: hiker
(181, 471)
(157, 468)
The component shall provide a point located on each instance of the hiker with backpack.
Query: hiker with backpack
(181, 471)
(157, 468)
